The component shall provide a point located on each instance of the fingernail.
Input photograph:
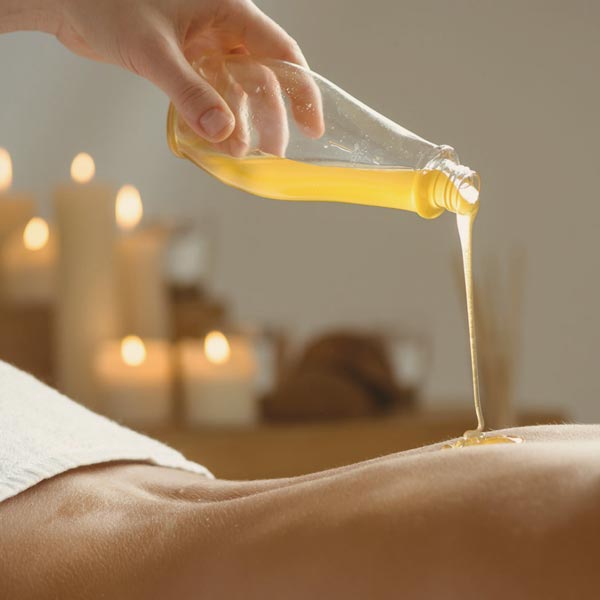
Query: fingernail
(214, 122)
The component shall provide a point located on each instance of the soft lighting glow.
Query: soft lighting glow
(133, 351)
(128, 207)
(83, 168)
(6, 170)
(216, 348)
(36, 234)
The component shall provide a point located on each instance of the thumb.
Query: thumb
(195, 99)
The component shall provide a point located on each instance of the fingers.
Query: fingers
(268, 111)
(238, 142)
(252, 93)
(194, 98)
(217, 109)
(305, 98)
(269, 117)
(264, 39)
(212, 68)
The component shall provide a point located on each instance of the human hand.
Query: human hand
(266, 97)
(158, 39)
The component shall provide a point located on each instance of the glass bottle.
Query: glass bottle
(300, 137)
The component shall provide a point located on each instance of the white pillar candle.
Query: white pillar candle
(15, 209)
(134, 379)
(142, 293)
(217, 380)
(86, 314)
(28, 265)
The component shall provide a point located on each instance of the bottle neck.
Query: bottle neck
(456, 187)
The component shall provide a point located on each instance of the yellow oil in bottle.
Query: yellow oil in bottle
(422, 191)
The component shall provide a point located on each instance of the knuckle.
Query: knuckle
(240, 5)
(294, 48)
(157, 46)
(269, 79)
(228, 10)
(149, 52)
(191, 95)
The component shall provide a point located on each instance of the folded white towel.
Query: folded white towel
(43, 433)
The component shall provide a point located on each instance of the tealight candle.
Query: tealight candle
(134, 378)
(15, 209)
(27, 265)
(142, 293)
(87, 314)
(217, 380)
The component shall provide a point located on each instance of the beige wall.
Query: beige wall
(512, 85)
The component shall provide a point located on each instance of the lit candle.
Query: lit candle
(15, 209)
(143, 301)
(27, 265)
(87, 314)
(217, 380)
(129, 209)
(134, 379)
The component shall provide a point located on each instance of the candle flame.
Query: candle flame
(216, 348)
(128, 207)
(6, 170)
(83, 168)
(36, 234)
(133, 351)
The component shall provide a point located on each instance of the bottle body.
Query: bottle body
(300, 137)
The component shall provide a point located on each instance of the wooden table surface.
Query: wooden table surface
(278, 450)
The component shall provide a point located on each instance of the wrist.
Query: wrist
(30, 15)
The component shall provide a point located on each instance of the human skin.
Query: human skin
(518, 521)
(157, 39)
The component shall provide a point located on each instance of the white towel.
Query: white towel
(43, 433)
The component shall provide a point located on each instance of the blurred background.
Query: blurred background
(510, 85)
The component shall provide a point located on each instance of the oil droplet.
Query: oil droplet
(482, 439)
